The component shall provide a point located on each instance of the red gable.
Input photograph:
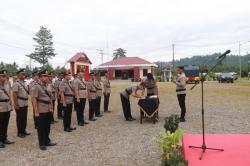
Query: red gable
(127, 61)
(80, 57)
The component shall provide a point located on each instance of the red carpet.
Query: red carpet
(236, 150)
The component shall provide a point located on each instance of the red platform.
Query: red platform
(236, 150)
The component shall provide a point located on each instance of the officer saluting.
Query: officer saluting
(42, 103)
(66, 95)
(20, 98)
(5, 108)
(106, 92)
(181, 91)
(91, 89)
(98, 87)
(59, 104)
(35, 79)
(80, 92)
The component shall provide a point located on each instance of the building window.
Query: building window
(118, 74)
(145, 72)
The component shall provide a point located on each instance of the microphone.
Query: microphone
(224, 54)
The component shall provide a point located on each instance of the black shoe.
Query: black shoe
(92, 119)
(8, 142)
(107, 111)
(98, 116)
(81, 124)
(21, 135)
(85, 122)
(129, 119)
(2, 145)
(182, 120)
(72, 128)
(26, 133)
(43, 148)
(133, 118)
(67, 130)
(51, 144)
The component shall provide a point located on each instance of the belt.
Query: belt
(150, 88)
(99, 89)
(6, 100)
(92, 91)
(82, 89)
(127, 91)
(69, 95)
(22, 98)
(43, 101)
(180, 90)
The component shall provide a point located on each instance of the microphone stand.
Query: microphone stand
(203, 146)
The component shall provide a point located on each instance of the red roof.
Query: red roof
(80, 57)
(127, 61)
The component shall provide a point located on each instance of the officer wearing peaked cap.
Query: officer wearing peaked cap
(59, 104)
(20, 98)
(5, 108)
(41, 99)
(52, 90)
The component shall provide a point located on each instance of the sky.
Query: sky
(144, 28)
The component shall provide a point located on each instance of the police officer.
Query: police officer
(106, 92)
(181, 91)
(5, 108)
(51, 88)
(59, 104)
(66, 95)
(132, 90)
(41, 99)
(79, 86)
(35, 79)
(20, 98)
(91, 92)
(151, 85)
(98, 86)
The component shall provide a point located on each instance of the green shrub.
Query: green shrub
(172, 123)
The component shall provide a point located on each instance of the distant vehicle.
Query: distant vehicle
(226, 77)
(193, 74)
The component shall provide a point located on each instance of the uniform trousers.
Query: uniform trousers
(67, 113)
(4, 122)
(43, 129)
(21, 119)
(181, 100)
(59, 109)
(92, 108)
(106, 101)
(98, 106)
(80, 106)
(126, 107)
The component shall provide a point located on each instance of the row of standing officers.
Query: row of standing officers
(43, 93)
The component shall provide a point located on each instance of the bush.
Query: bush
(172, 123)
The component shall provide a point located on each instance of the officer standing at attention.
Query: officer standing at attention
(98, 87)
(80, 92)
(91, 92)
(35, 80)
(106, 92)
(51, 88)
(66, 95)
(181, 91)
(59, 104)
(151, 85)
(20, 98)
(41, 99)
(5, 108)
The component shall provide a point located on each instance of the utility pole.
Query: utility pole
(101, 53)
(240, 58)
(248, 73)
(173, 69)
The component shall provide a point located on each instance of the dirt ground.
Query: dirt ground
(113, 141)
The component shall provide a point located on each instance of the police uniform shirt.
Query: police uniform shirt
(128, 91)
(5, 99)
(150, 85)
(56, 84)
(80, 85)
(91, 87)
(51, 89)
(181, 84)
(43, 99)
(66, 88)
(22, 92)
(31, 84)
(106, 85)
(98, 87)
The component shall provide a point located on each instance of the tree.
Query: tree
(44, 48)
(119, 53)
